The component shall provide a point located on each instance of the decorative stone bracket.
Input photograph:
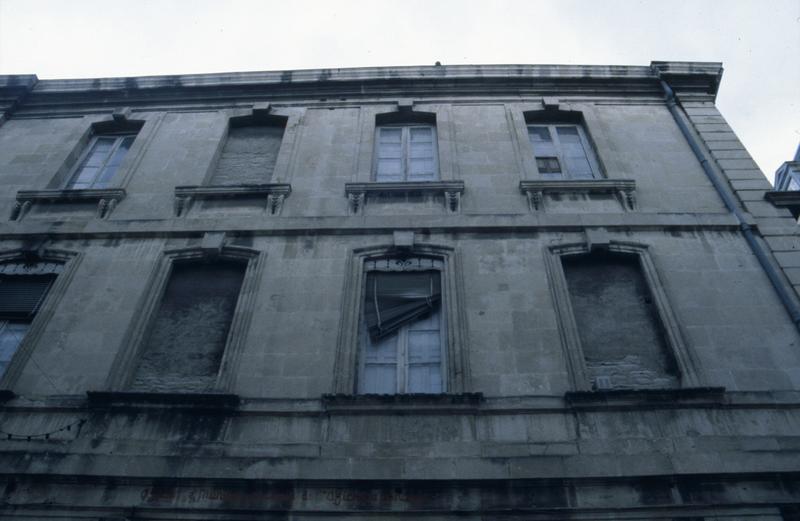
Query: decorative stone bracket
(536, 190)
(274, 194)
(357, 193)
(106, 198)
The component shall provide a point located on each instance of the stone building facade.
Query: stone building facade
(451, 292)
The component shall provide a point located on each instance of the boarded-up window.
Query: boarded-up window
(406, 153)
(23, 288)
(621, 334)
(249, 155)
(184, 347)
(402, 346)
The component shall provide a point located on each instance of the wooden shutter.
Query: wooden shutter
(22, 295)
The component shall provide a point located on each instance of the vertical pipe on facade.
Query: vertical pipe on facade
(730, 204)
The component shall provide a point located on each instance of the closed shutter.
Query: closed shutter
(22, 295)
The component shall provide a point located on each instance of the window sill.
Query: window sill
(646, 398)
(274, 193)
(125, 400)
(384, 403)
(106, 198)
(536, 190)
(357, 193)
(789, 200)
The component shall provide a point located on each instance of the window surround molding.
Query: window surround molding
(106, 198)
(69, 262)
(456, 371)
(274, 192)
(405, 111)
(538, 190)
(131, 349)
(688, 367)
(550, 109)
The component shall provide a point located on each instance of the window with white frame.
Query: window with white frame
(402, 348)
(562, 151)
(23, 288)
(406, 152)
(101, 160)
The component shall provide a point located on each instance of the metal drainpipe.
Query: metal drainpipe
(730, 204)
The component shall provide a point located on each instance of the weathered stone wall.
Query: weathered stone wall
(524, 441)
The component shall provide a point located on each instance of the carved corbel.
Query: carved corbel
(452, 201)
(275, 203)
(627, 198)
(356, 202)
(535, 200)
(19, 210)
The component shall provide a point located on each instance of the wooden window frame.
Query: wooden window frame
(405, 146)
(552, 127)
(455, 366)
(401, 265)
(118, 136)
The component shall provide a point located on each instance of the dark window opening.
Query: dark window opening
(21, 296)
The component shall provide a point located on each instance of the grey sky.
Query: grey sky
(758, 42)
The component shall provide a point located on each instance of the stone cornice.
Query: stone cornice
(699, 76)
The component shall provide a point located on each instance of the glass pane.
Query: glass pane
(421, 135)
(548, 165)
(105, 178)
(389, 170)
(391, 135)
(99, 152)
(390, 151)
(539, 134)
(384, 351)
(793, 184)
(578, 167)
(84, 178)
(421, 168)
(123, 148)
(11, 335)
(424, 347)
(379, 379)
(422, 150)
